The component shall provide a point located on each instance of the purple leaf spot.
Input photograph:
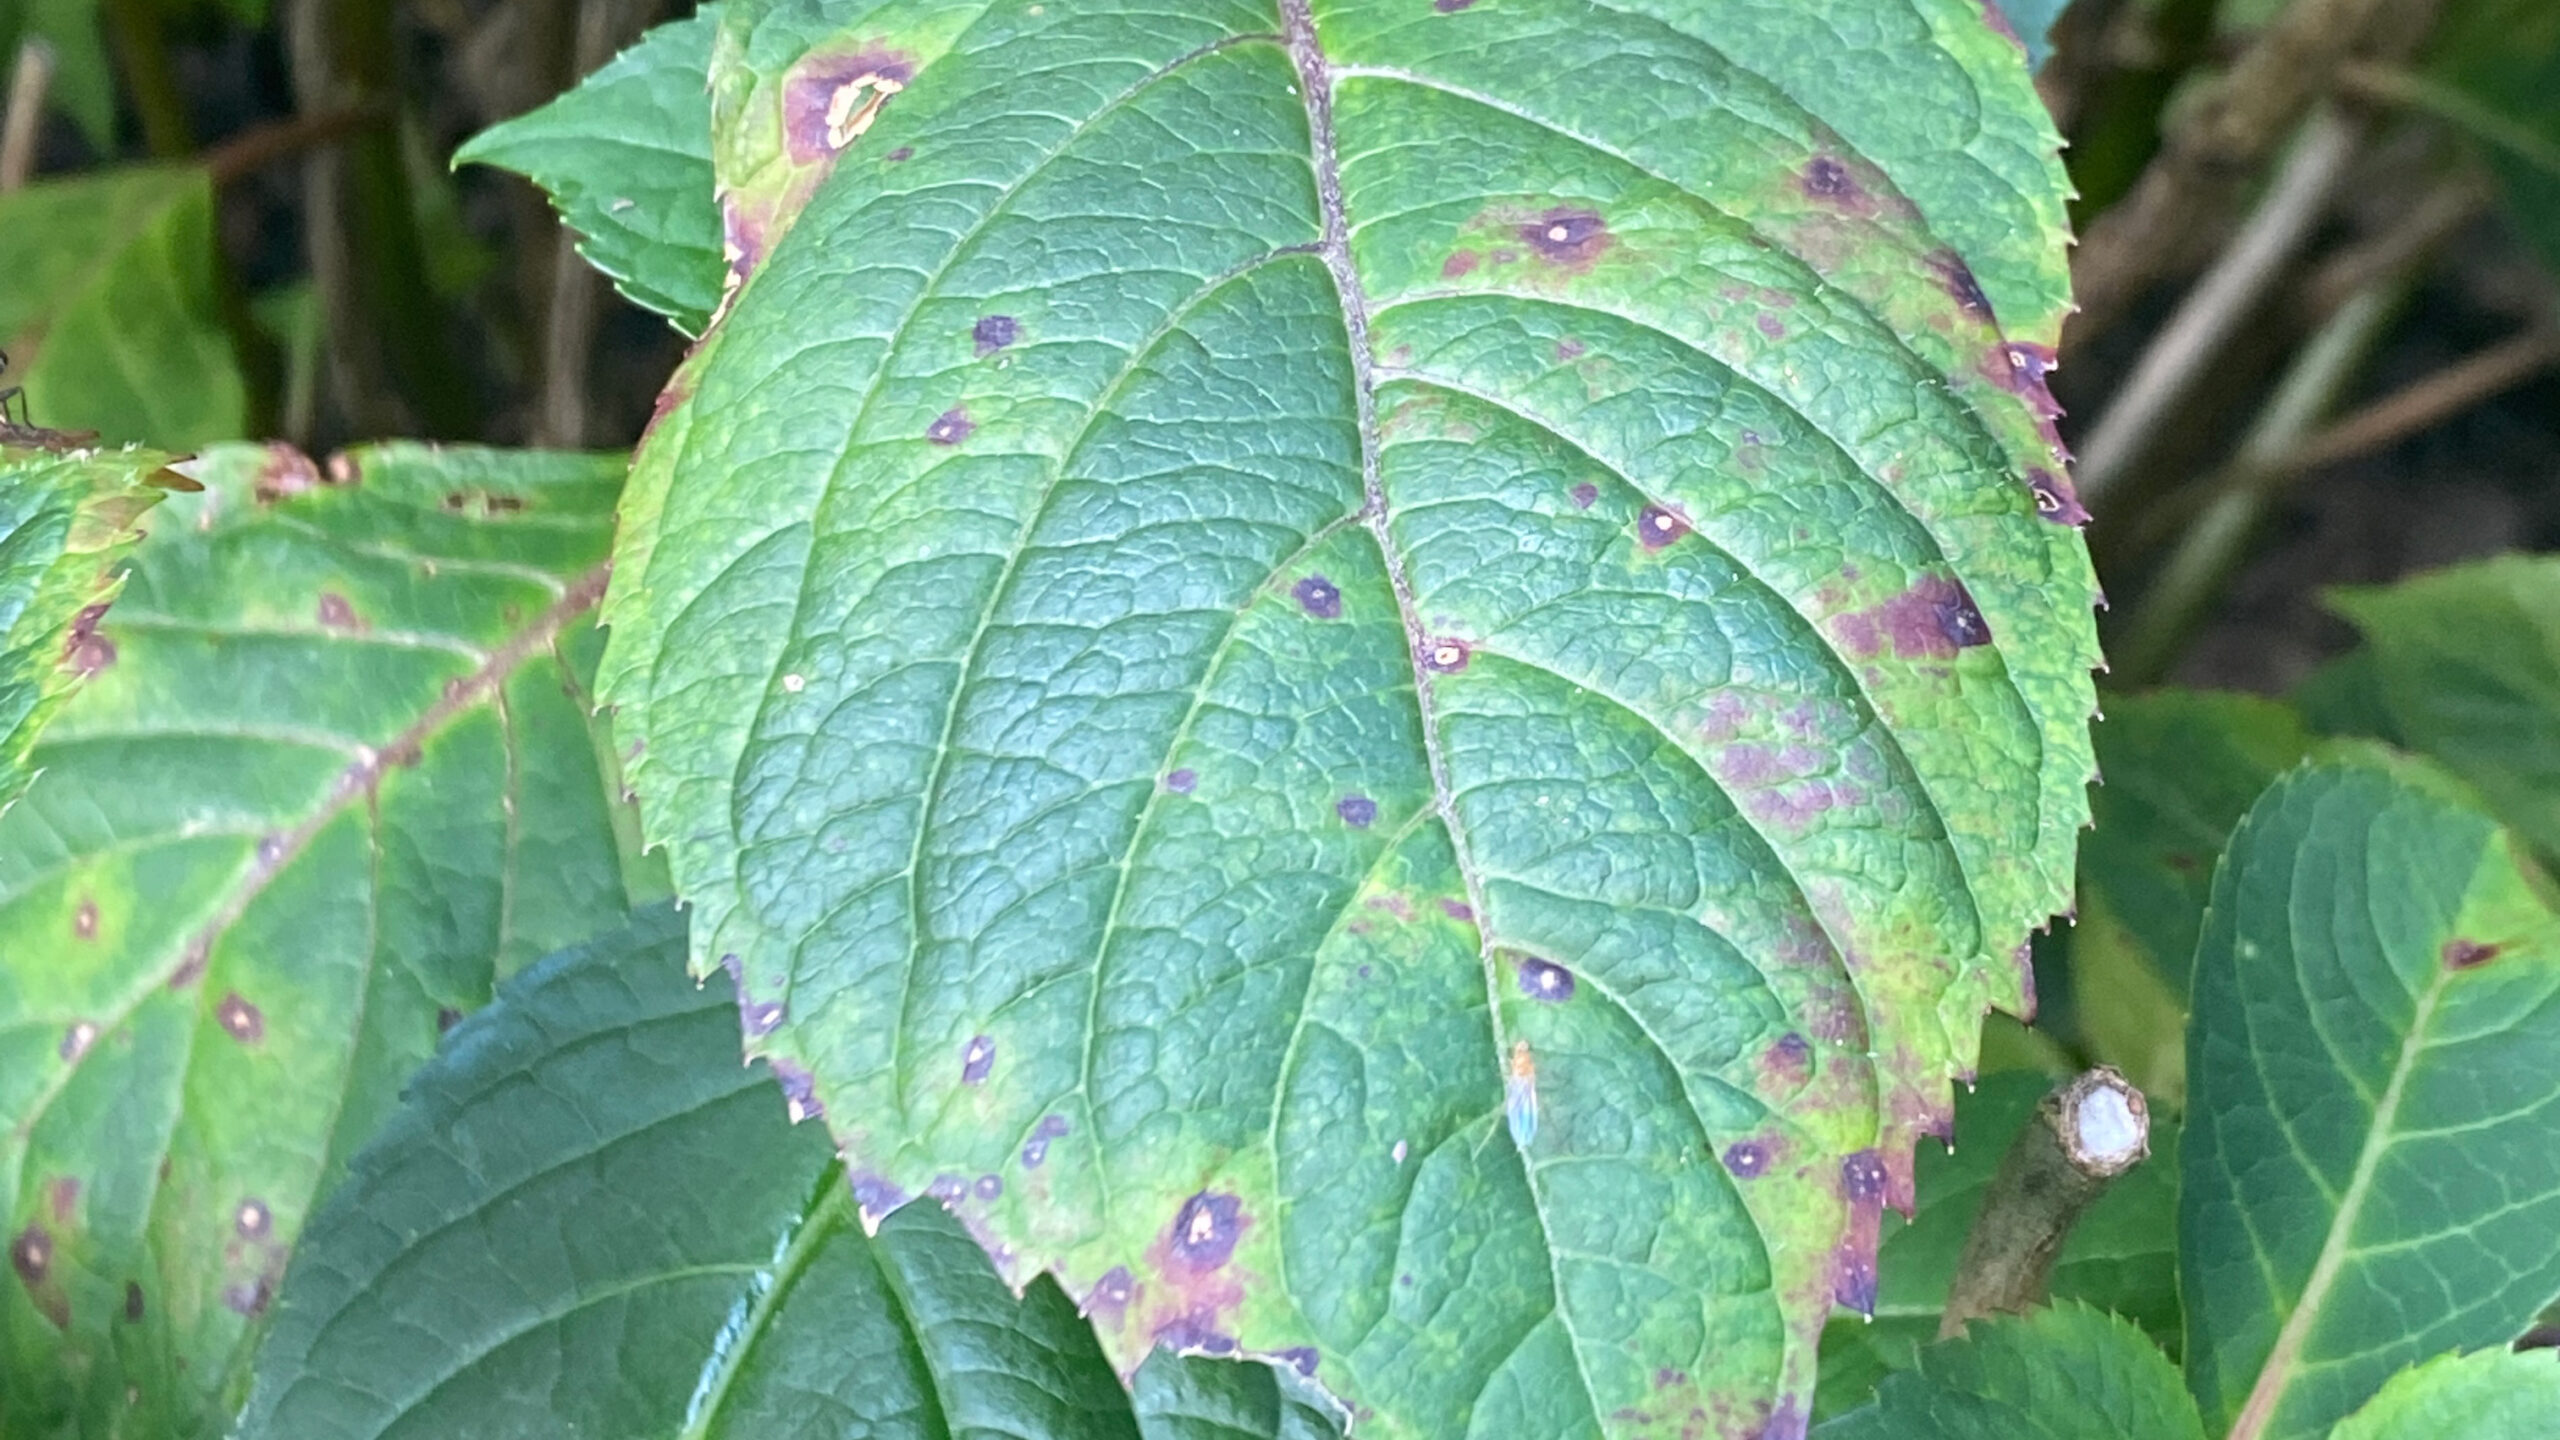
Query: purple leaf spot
(1853, 1278)
(1570, 349)
(1958, 279)
(948, 1188)
(1788, 1062)
(337, 614)
(1193, 1333)
(1111, 1294)
(2056, 500)
(902, 154)
(977, 1059)
(1206, 1228)
(876, 1196)
(249, 1297)
(1658, 527)
(1300, 1358)
(1318, 597)
(757, 1021)
(1862, 1178)
(1545, 980)
(133, 1302)
(989, 1187)
(799, 1092)
(31, 1255)
(994, 332)
(1357, 811)
(950, 427)
(240, 1020)
(1446, 656)
(1827, 179)
(1457, 910)
(1180, 782)
(1567, 236)
(1458, 265)
(1450, 7)
(1584, 494)
(1747, 1159)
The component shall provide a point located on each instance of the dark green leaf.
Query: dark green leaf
(332, 774)
(2494, 68)
(1169, 632)
(2121, 1256)
(626, 157)
(2064, 1373)
(107, 302)
(64, 519)
(2372, 1152)
(2488, 1395)
(588, 1219)
(2466, 662)
(2181, 767)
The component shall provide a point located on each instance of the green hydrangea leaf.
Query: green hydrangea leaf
(587, 1219)
(331, 772)
(626, 158)
(1202, 652)
(2466, 664)
(2121, 1256)
(108, 306)
(2064, 1373)
(83, 85)
(65, 518)
(2372, 1155)
(2181, 768)
(2497, 1394)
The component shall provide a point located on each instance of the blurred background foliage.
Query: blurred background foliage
(2318, 351)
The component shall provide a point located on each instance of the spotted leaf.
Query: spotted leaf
(1417, 663)
(587, 1176)
(330, 772)
(2371, 1161)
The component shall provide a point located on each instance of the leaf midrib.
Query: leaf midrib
(2270, 1390)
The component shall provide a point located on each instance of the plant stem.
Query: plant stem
(2195, 573)
(2227, 296)
(259, 146)
(2086, 1132)
(27, 86)
(142, 53)
(2429, 402)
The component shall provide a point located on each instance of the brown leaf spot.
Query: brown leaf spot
(2462, 954)
(1457, 266)
(830, 100)
(240, 1020)
(90, 654)
(284, 472)
(31, 1255)
(133, 1301)
(84, 921)
(337, 614)
(190, 966)
(1933, 620)
(62, 1197)
(253, 1220)
(248, 1297)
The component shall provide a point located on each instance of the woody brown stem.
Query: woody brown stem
(2084, 1134)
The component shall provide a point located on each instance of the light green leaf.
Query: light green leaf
(2496, 1394)
(2181, 768)
(332, 774)
(588, 1219)
(1169, 630)
(2121, 1257)
(2467, 665)
(2372, 1152)
(2064, 1373)
(107, 302)
(65, 517)
(626, 157)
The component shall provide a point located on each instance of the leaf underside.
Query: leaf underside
(1228, 576)
(329, 774)
(588, 1220)
(2372, 1151)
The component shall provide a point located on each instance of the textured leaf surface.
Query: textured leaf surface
(64, 519)
(2489, 1395)
(2065, 1373)
(107, 301)
(626, 157)
(1182, 636)
(332, 772)
(2121, 1256)
(2181, 768)
(2372, 1152)
(589, 1220)
(2466, 663)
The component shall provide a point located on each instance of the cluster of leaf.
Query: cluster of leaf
(2341, 966)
